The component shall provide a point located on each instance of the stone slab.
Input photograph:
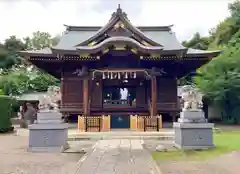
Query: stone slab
(48, 126)
(193, 125)
(49, 121)
(118, 156)
(192, 116)
(49, 115)
(47, 149)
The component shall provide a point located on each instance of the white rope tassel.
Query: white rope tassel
(126, 75)
(103, 75)
(108, 75)
(119, 75)
(111, 75)
(115, 75)
(134, 75)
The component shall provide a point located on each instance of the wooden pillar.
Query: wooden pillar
(62, 91)
(85, 97)
(154, 96)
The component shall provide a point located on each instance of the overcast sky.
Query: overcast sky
(22, 17)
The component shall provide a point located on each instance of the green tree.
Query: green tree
(197, 42)
(20, 80)
(40, 40)
(220, 82)
(8, 52)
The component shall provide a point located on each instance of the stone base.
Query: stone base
(192, 116)
(48, 135)
(193, 135)
(47, 149)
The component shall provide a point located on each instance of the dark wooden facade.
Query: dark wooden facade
(119, 48)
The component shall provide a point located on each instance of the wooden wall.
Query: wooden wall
(167, 94)
(95, 93)
(141, 96)
(166, 90)
(72, 94)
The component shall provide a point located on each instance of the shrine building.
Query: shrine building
(119, 76)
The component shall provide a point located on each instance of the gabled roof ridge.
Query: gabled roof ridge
(119, 15)
(95, 28)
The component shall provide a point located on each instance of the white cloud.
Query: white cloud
(23, 17)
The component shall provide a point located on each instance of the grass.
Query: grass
(225, 142)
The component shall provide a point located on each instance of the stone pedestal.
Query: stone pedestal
(192, 131)
(48, 133)
(194, 116)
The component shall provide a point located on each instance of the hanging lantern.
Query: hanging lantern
(108, 75)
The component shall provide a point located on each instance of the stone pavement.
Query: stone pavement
(118, 156)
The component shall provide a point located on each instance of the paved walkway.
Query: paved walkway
(118, 156)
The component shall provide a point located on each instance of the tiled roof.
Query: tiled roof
(34, 96)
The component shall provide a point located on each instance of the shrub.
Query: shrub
(5, 114)
(15, 107)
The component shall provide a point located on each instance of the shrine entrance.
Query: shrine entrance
(120, 121)
(116, 96)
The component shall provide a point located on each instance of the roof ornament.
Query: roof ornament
(119, 10)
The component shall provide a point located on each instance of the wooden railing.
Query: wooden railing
(93, 123)
(148, 123)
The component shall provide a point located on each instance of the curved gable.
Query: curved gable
(119, 25)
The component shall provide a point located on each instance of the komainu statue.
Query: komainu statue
(192, 98)
(51, 100)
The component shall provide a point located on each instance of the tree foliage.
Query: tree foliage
(15, 78)
(8, 52)
(20, 80)
(40, 40)
(197, 42)
(219, 80)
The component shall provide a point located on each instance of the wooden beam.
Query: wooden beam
(62, 90)
(154, 96)
(85, 97)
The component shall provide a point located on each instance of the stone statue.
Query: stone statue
(192, 98)
(51, 100)
(192, 130)
(49, 133)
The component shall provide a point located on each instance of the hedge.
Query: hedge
(5, 114)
